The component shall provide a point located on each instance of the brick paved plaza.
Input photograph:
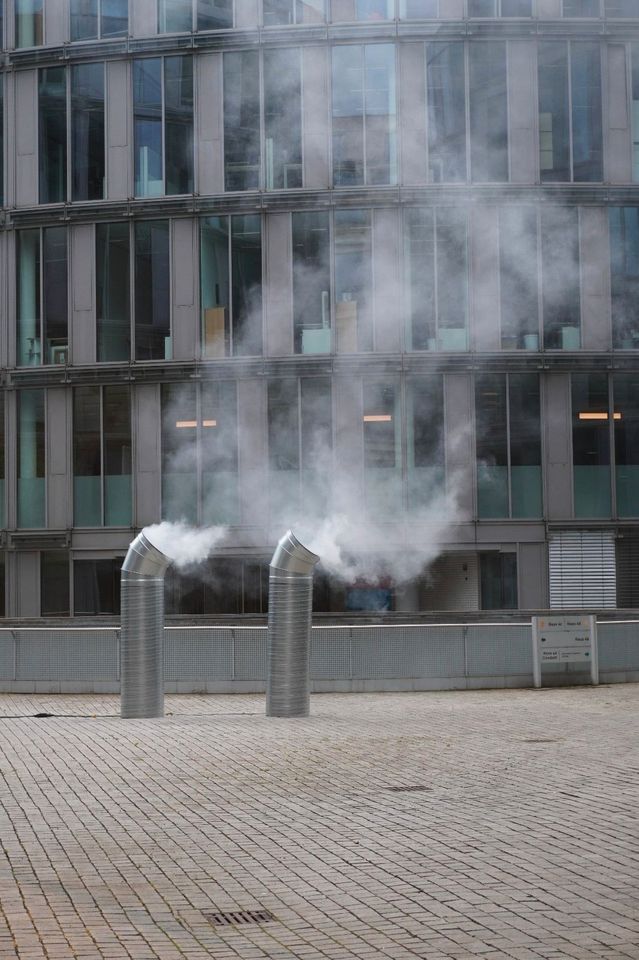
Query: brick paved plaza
(494, 824)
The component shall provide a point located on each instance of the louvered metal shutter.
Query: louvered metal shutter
(582, 569)
(628, 570)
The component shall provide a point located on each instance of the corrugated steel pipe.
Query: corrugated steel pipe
(142, 630)
(290, 603)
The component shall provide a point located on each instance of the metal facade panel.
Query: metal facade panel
(594, 251)
(56, 22)
(484, 260)
(198, 654)
(209, 131)
(387, 280)
(143, 18)
(459, 444)
(252, 450)
(119, 176)
(412, 100)
(7, 647)
(618, 156)
(522, 112)
(315, 105)
(331, 654)
(146, 428)
(250, 654)
(58, 441)
(26, 138)
(82, 271)
(185, 273)
(65, 655)
(532, 576)
(557, 426)
(27, 567)
(618, 646)
(495, 650)
(408, 652)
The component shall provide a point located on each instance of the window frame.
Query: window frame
(194, 21)
(99, 36)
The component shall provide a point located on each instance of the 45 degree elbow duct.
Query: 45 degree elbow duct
(289, 629)
(142, 630)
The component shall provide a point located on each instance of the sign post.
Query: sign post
(564, 639)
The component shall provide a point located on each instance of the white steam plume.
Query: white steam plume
(185, 545)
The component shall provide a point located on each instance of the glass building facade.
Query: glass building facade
(257, 274)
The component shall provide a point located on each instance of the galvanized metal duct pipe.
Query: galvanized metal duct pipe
(288, 685)
(142, 630)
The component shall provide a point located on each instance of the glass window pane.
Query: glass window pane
(1, 134)
(353, 281)
(525, 445)
(53, 135)
(348, 113)
(491, 426)
(374, 9)
(282, 119)
(498, 576)
(87, 131)
(624, 263)
(54, 583)
(3, 509)
(55, 295)
(581, 8)
(175, 16)
(28, 291)
(241, 121)
(116, 425)
(246, 292)
(382, 448)
(519, 278)
(587, 143)
(219, 463)
(178, 120)
(87, 457)
(29, 23)
(152, 291)
(417, 9)
(445, 83)
(560, 277)
(214, 14)
(380, 110)
(115, 18)
(31, 459)
(626, 424)
(311, 282)
(96, 587)
(516, 8)
(113, 291)
(488, 111)
(179, 452)
(316, 443)
(215, 286)
(591, 445)
(425, 440)
(84, 19)
(419, 259)
(622, 8)
(554, 118)
(482, 8)
(293, 11)
(147, 121)
(284, 448)
(635, 110)
(452, 279)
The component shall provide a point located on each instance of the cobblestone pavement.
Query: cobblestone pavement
(495, 824)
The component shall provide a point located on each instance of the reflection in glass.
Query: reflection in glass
(374, 9)
(581, 8)
(518, 278)
(622, 8)
(52, 98)
(217, 427)
(417, 9)
(215, 293)
(587, 142)
(175, 16)
(488, 111)
(382, 448)
(147, 122)
(561, 301)
(364, 125)
(353, 281)
(87, 457)
(445, 83)
(282, 119)
(87, 131)
(591, 445)
(498, 580)
(29, 301)
(491, 435)
(116, 455)
(29, 23)
(152, 291)
(425, 440)
(214, 14)
(54, 583)
(241, 121)
(163, 125)
(293, 11)
(482, 8)
(246, 285)
(626, 426)
(554, 111)
(96, 587)
(91, 19)
(179, 452)
(311, 282)
(55, 295)
(114, 17)
(178, 124)
(624, 262)
(113, 291)
(283, 447)
(31, 459)
(524, 429)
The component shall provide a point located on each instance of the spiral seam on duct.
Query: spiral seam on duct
(289, 629)
(142, 631)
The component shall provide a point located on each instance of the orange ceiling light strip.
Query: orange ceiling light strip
(598, 416)
(377, 418)
(191, 424)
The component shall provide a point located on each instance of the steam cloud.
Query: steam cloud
(186, 546)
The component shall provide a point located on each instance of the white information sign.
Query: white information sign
(564, 639)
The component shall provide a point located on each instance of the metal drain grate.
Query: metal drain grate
(237, 917)
(417, 788)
